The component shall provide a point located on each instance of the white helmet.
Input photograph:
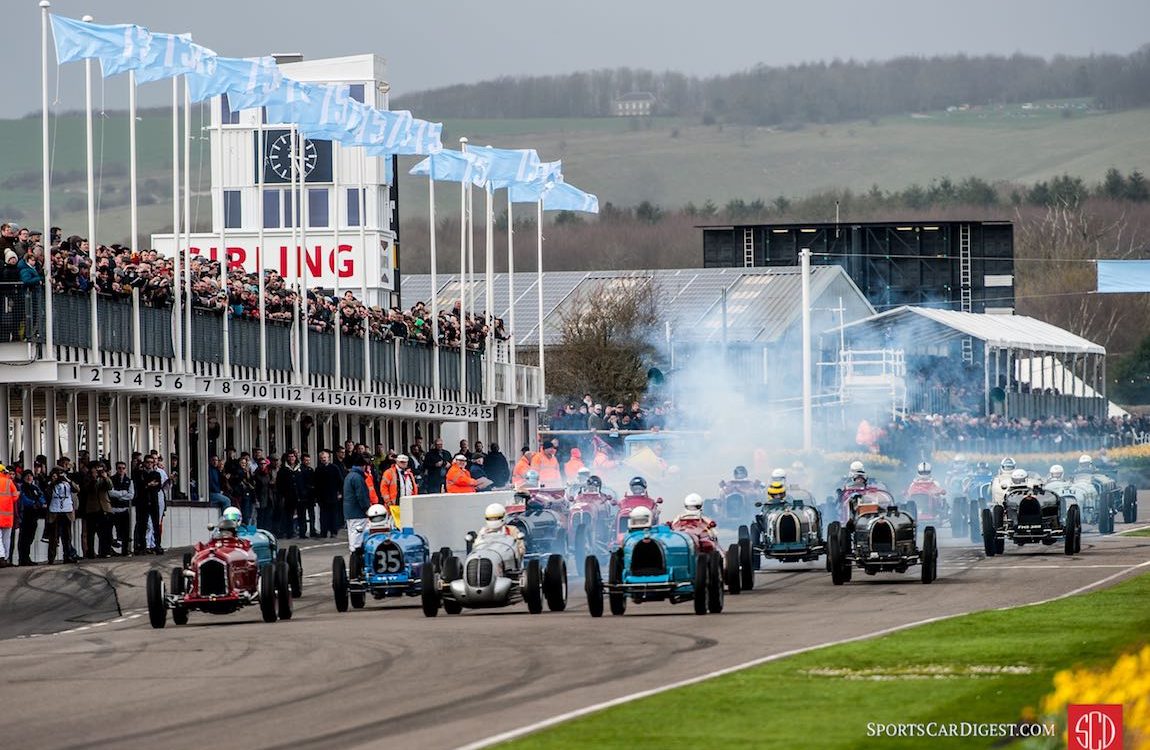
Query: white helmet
(377, 515)
(640, 518)
(1056, 471)
(494, 514)
(1018, 476)
(779, 475)
(583, 475)
(693, 502)
(857, 467)
(232, 513)
(924, 469)
(1007, 464)
(1085, 460)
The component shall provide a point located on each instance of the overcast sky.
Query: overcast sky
(430, 43)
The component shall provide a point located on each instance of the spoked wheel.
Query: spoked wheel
(593, 585)
(734, 579)
(929, 561)
(429, 594)
(533, 589)
(157, 607)
(617, 601)
(702, 578)
(179, 614)
(268, 592)
(715, 584)
(555, 583)
(339, 582)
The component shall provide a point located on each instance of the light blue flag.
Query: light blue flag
(78, 40)
(137, 42)
(548, 173)
(248, 82)
(423, 138)
(398, 126)
(564, 197)
(294, 102)
(171, 55)
(1117, 276)
(508, 165)
(338, 117)
(454, 166)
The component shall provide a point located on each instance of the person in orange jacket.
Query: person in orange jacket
(397, 481)
(459, 480)
(522, 466)
(548, 467)
(574, 465)
(9, 497)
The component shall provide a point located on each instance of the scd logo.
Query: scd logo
(1094, 727)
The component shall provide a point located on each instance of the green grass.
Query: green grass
(1139, 532)
(782, 704)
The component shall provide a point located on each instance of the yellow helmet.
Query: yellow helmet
(776, 490)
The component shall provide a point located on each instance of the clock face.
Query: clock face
(279, 157)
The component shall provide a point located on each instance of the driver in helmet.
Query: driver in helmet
(958, 463)
(1085, 464)
(581, 482)
(692, 516)
(776, 492)
(229, 522)
(495, 523)
(1019, 479)
(637, 487)
(378, 519)
(924, 472)
(1007, 466)
(857, 476)
(640, 518)
(1057, 473)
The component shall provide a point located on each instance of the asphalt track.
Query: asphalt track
(80, 667)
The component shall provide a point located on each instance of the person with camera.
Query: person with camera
(61, 516)
(120, 501)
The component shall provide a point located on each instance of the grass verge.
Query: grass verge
(1139, 532)
(984, 667)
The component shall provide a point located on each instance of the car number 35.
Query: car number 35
(392, 560)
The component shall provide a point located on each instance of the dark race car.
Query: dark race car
(879, 537)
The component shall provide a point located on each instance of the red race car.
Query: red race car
(592, 523)
(629, 502)
(222, 577)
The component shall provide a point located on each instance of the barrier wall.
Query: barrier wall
(184, 525)
(445, 519)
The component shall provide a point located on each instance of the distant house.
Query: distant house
(635, 104)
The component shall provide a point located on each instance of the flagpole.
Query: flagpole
(188, 220)
(304, 344)
(489, 294)
(511, 295)
(295, 208)
(366, 374)
(181, 257)
(138, 357)
(337, 154)
(261, 260)
(462, 279)
(94, 323)
(46, 238)
(539, 289)
(434, 327)
(223, 253)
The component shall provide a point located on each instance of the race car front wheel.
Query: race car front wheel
(283, 591)
(268, 592)
(179, 614)
(339, 582)
(702, 578)
(429, 594)
(533, 588)
(715, 584)
(734, 579)
(593, 585)
(157, 609)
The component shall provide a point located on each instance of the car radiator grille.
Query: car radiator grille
(788, 528)
(647, 559)
(213, 578)
(479, 572)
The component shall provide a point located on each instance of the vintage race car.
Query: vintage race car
(927, 501)
(389, 564)
(977, 489)
(495, 573)
(592, 524)
(661, 564)
(544, 523)
(222, 575)
(623, 515)
(789, 531)
(267, 549)
(736, 500)
(879, 537)
(838, 507)
(1032, 515)
(1112, 501)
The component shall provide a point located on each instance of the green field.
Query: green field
(1139, 532)
(669, 161)
(985, 667)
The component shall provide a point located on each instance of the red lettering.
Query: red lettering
(347, 266)
(314, 262)
(236, 258)
(283, 269)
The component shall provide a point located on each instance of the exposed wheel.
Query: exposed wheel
(845, 549)
(441, 558)
(281, 554)
(555, 583)
(618, 602)
(1131, 503)
(295, 570)
(958, 518)
(429, 593)
(358, 599)
(999, 515)
(832, 533)
(268, 591)
(746, 572)
(1072, 527)
(593, 585)
(452, 568)
(355, 565)
(715, 593)
(339, 582)
(833, 555)
(452, 607)
(756, 545)
(1105, 519)
(929, 561)
(734, 580)
(283, 590)
(157, 607)
(989, 545)
(533, 588)
(744, 532)
(187, 559)
(176, 587)
(910, 507)
(975, 517)
(702, 577)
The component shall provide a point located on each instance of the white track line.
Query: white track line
(560, 718)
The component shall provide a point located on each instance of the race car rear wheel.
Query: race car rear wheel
(618, 602)
(355, 565)
(533, 588)
(440, 557)
(734, 579)
(429, 594)
(832, 533)
(555, 583)
(283, 591)
(157, 609)
(999, 515)
(929, 561)
(452, 568)
(295, 570)
(746, 572)
(744, 532)
(339, 582)
(702, 577)
(844, 549)
(1072, 529)
(834, 553)
(975, 517)
(1130, 504)
(715, 584)
(988, 533)
(593, 585)
(756, 545)
(176, 587)
(268, 592)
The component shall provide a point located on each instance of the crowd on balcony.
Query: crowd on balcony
(120, 270)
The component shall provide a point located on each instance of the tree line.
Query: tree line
(808, 93)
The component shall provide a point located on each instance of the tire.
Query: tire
(1132, 502)
(339, 583)
(756, 545)
(355, 565)
(283, 590)
(358, 599)
(734, 580)
(452, 568)
(989, 543)
(295, 571)
(845, 548)
(593, 585)
(429, 594)
(555, 583)
(1105, 520)
(911, 509)
(268, 592)
(746, 572)
(999, 515)
(618, 602)
(176, 587)
(1071, 528)
(452, 607)
(441, 558)
(187, 559)
(281, 555)
(832, 533)
(975, 517)
(533, 588)
(744, 532)
(702, 577)
(715, 592)
(157, 607)
(929, 563)
(1078, 533)
(834, 565)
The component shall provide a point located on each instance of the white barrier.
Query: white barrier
(445, 518)
(184, 525)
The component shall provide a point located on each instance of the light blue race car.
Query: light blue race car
(388, 564)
